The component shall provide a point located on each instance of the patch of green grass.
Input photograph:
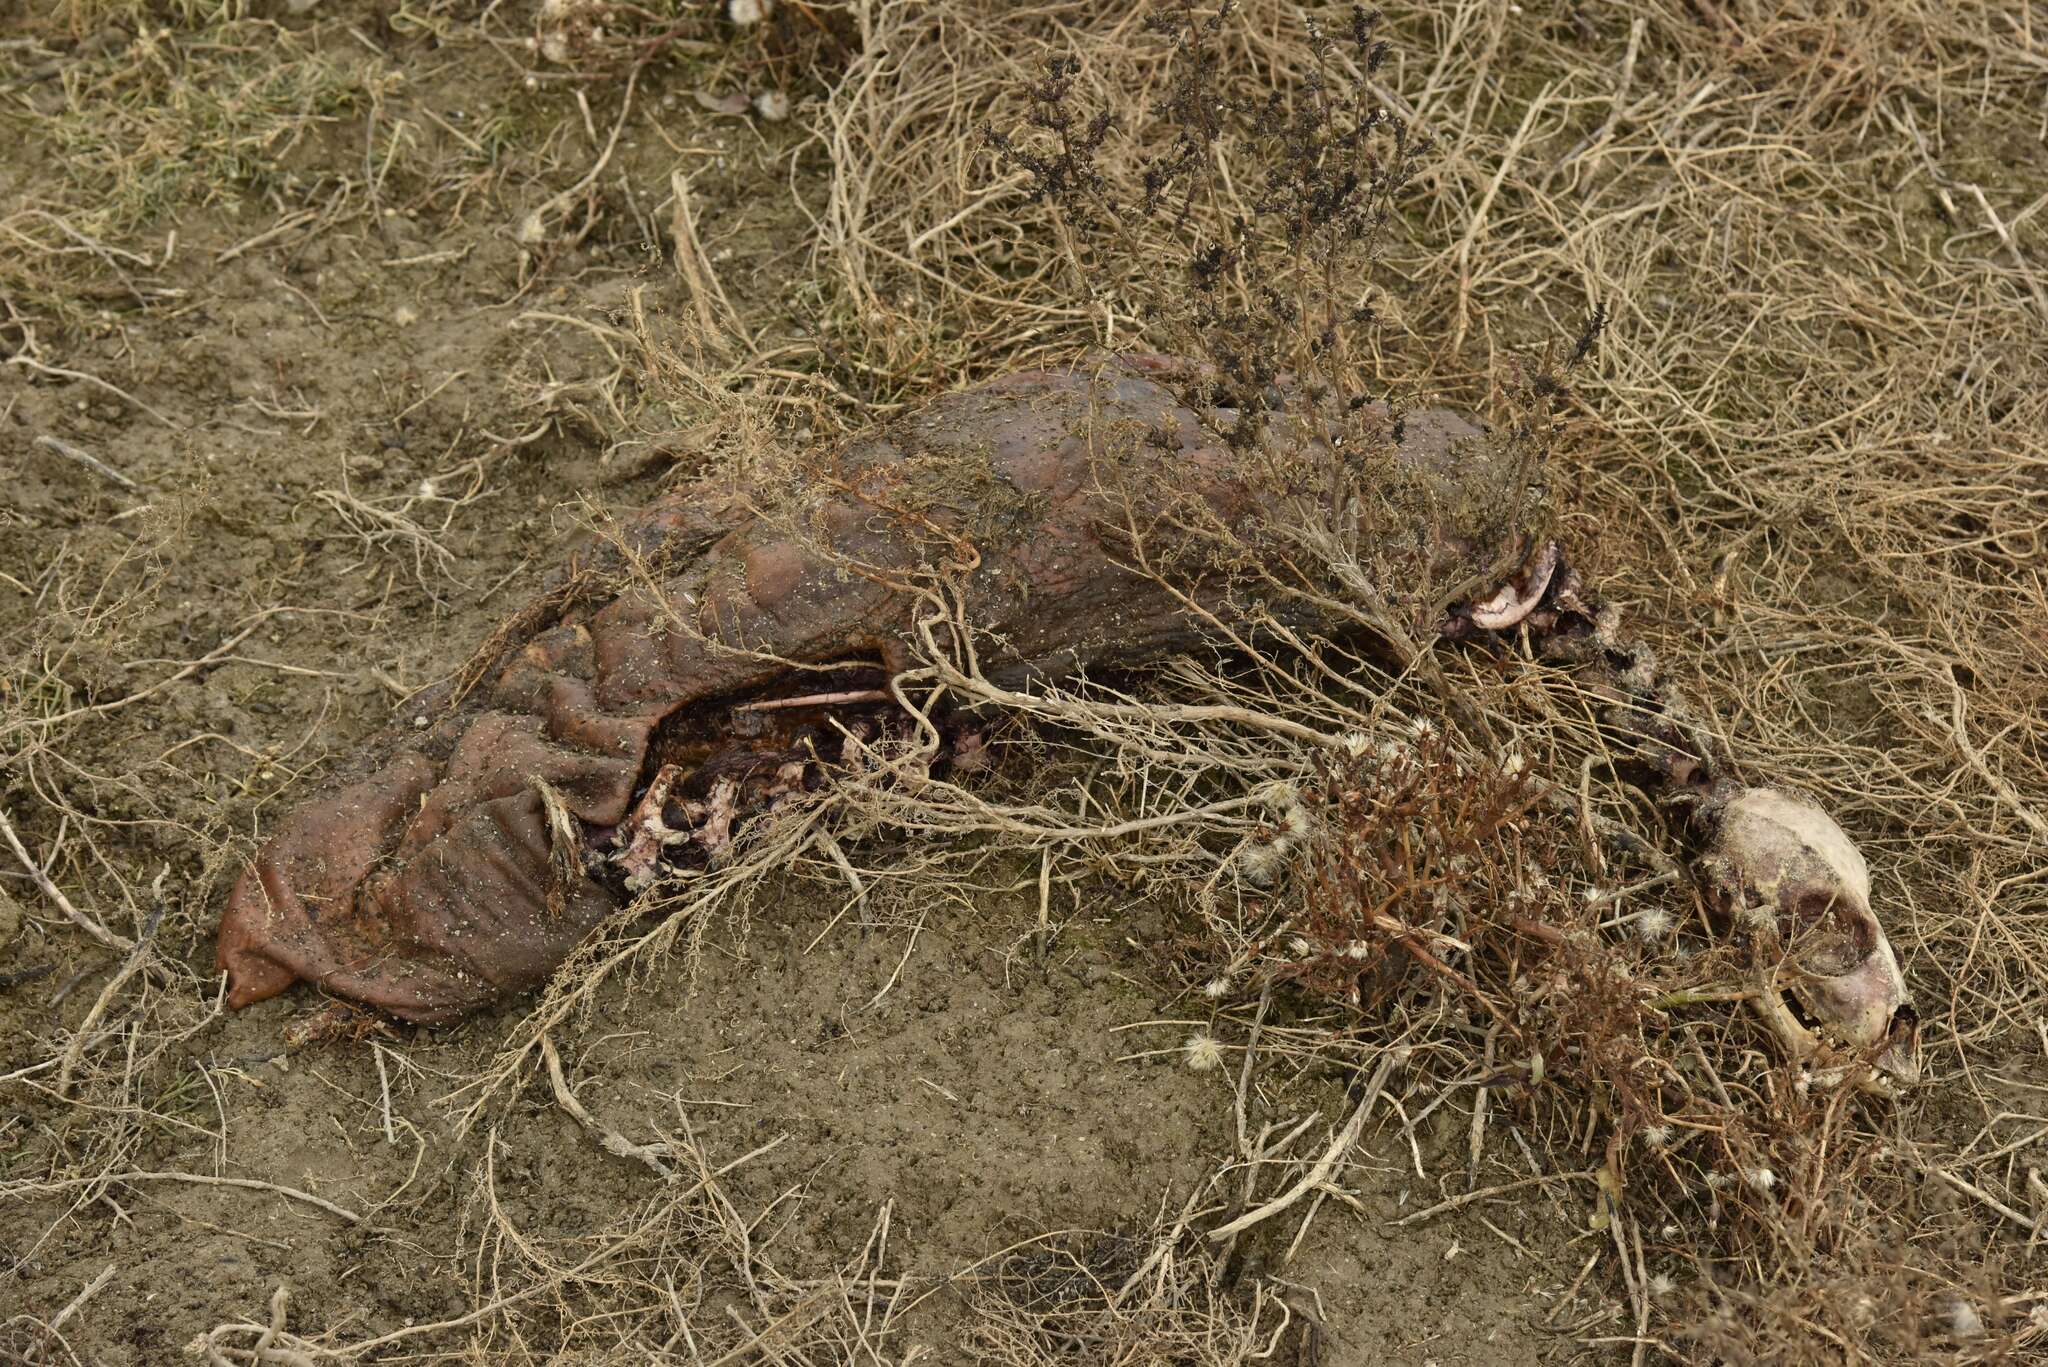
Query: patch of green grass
(178, 119)
(184, 1095)
(513, 127)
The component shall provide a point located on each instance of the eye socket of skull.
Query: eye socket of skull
(1828, 953)
(1833, 978)
(1831, 934)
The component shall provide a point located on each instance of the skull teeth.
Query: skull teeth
(1799, 1032)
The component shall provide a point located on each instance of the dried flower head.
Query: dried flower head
(1261, 861)
(1203, 1053)
(1281, 795)
(1652, 924)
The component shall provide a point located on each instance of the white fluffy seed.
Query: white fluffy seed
(1261, 862)
(1203, 1053)
(772, 105)
(746, 12)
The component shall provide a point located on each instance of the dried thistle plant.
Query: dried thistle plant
(1278, 207)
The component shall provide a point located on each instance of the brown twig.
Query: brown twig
(56, 895)
(86, 458)
(1459, 1202)
(1320, 1172)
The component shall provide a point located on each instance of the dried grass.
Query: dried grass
(1812, 455)
(1812, 464)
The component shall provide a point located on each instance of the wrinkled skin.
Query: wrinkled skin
(425, 886)
(428, 884)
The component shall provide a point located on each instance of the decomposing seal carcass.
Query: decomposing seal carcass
(717, 654)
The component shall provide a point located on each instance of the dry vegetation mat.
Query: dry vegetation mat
(324, 326)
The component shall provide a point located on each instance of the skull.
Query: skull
(1781, 867)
